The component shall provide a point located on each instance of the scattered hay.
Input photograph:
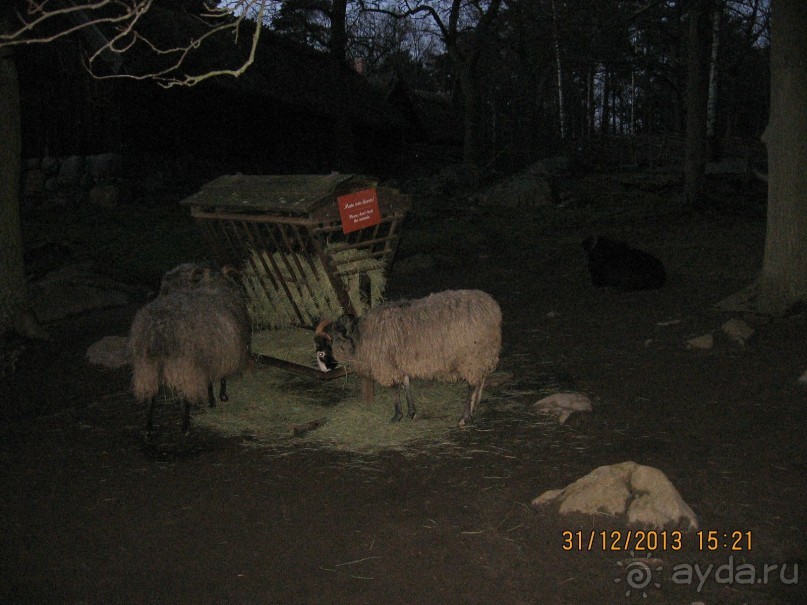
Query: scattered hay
(291, 344)
(278, 282)
(267, 406)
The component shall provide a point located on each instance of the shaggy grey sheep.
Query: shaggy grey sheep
(450, 335)
(189, 337)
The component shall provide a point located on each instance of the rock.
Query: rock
(654, 501)
(106, 196)
(603, 490)
(738, 331)
(527, 189)
(707, 341)
(563, 405)
(110, 352)
(104, 167)
(71, 171)
(50, 165)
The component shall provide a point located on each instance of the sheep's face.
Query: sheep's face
(325, 359)
(336, 341)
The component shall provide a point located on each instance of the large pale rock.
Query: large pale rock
(656, 502)
(527, 189)
(563, 405)
(603, 490)
(642, 493)
(110, 352)
(707, 341)
(738, 331)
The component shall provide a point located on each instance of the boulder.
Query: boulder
(71, 171)
(530, 188)
(110, 352)
(563, 405)
(738, 331)
(104, 167)
(642, 493)
(707, 341)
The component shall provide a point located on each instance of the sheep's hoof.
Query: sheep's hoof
(412, 415)
(463, 423)
(396, 417)
(224, 397)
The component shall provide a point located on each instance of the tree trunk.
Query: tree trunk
(697, 92)
(783, 282)
(338, 41)
(606, 108)
(15, 310)
(559, 64)
(591, 110)
(711, 104)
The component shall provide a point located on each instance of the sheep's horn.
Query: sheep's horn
(321, 328)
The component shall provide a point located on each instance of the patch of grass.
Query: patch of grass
(265, 407)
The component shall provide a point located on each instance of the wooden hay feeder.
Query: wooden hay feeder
(309, 246)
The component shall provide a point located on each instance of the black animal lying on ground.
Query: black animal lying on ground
(614, 264)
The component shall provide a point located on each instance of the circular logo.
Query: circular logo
(638, 575)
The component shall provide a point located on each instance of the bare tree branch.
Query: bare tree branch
(115, 26)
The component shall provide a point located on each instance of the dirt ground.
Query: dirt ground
(92, 513)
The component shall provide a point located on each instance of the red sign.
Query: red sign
(359, 210)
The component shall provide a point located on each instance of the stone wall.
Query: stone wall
(94, 178)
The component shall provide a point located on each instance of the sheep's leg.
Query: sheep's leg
(396, 417)
(150, 415)
(469, 407)
(410, 402)
(211, 397)
(478, 391)
(223, 391)
(474, 396)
